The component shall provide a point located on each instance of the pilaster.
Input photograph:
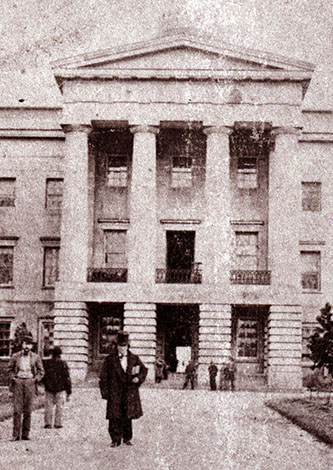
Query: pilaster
(71, 333)
(140, 323)
(214, 337)
(285, 347)
(216, 267)
(142, 231)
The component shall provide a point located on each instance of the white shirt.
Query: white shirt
(123, 361)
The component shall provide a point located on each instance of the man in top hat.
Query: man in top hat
(25, 370)
(121, 376)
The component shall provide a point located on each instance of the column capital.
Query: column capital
(217, 130)
(145, 129)
(85, 128)
(278, 131)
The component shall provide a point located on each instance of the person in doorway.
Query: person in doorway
(212, 370)
(56, 381)
(121, 376)
(190, 374)
(25, 371)
(159, 369)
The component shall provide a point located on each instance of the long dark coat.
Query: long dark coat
(116, 385)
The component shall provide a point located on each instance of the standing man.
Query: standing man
(56, 381)
(25, 370)
(212, 370)
(121, 376)
(190, 374)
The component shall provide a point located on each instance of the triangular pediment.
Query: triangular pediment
(181, 52)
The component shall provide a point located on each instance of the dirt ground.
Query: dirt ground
(186, 430)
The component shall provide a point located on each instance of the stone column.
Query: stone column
(75, 207)
(214, 337)
(142, 231)
(285, 319)
(71, 317)
(140, 322)
(285, 347)
(284, 212)
(216, 265)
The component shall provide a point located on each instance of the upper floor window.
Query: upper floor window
(54, 192)
(117, 170)
(46, 339)
(5, 338)
(115, 248)
(51, 266)
(247, 173)
(7, 192)
(311, 197)
(246, 250)
(181, 173)
(6, 265)
(310, 263)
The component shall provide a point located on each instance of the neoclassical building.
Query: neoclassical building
(181, 191)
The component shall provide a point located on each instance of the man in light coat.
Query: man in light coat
(25, 371)
(121, 376)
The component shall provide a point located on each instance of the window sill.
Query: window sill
(4, 358)
(311, 291)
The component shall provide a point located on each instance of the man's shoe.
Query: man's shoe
(58, 427)
(128, 443)
(47, 426)
(16, 438)
(25, 438)
(115, 444)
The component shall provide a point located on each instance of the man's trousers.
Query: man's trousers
(53, 399)
(23, 395)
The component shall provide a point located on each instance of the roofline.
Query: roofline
(177, 40)
(169, 74)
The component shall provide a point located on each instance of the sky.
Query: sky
(35, 32)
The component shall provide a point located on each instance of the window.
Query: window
(5, 338)
(6, 265)
(247, 338)
(51, 266)
(181, 174)
(310, 262)
(246, 250)
(115, 248)
(247, 173)
(117, 170)
(46, 340)
(7, 192)
(311, 197)
(109, 326)
(54, 191)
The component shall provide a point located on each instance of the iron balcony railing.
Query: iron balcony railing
(248, 277)
(179, 276)
(107, 274)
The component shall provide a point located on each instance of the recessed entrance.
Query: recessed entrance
(177, 334)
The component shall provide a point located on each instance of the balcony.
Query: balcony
(107, 275)
(179, 276)
(262, 278)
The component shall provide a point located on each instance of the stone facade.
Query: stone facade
(196, 188)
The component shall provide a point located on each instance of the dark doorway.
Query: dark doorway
(177, 326)
(180, 249)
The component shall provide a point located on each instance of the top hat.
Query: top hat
(56, 351)
(28, 339)
(122, 338)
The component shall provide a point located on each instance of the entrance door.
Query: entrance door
(248, 339)
(180, 249)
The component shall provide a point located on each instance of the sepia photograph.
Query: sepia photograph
(166, 234)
